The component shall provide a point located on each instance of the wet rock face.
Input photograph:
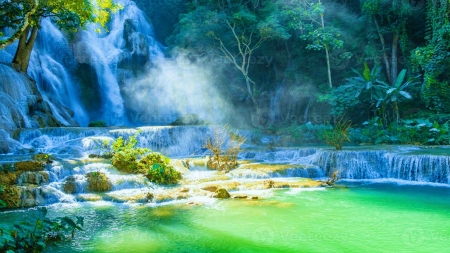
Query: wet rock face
(136, 53)
(22, 105)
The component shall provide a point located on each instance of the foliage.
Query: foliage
(98, 182)
(224, 147)
(301, 134)
(338, 134)
(98, 123)
(394, 93)
(104, 148)
(127, 157)
(35, 236)
(126, 154)
(156, 168)
(2, 202)
(433, 59)
(232, 29)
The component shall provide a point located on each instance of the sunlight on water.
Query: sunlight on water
(355, 217)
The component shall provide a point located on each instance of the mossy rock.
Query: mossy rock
(29, 166)
(45, 158)
(127, 166)
(222, 194)
(33, 178)
(188, 119)
(11, 196)
(98, 123)
(8, 178)
(98, 182)
(69, 185)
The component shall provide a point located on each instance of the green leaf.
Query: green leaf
(400, 78)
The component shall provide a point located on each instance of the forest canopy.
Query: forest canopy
(379, 61)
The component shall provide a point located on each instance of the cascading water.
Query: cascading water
(130, 39)
(51, 67)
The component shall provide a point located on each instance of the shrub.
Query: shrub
(98, 123)
(98, 182)
(126, 154)
(157, 169)
(153, 165)
(338, 134)
(224, 147)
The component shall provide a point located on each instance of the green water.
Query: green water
(356, 218)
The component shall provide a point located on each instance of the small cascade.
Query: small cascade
(180, 141)
(396, 163)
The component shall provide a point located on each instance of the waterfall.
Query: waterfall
(129, 40)
(51, 66)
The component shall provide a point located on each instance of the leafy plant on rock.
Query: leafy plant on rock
(156, 168)
(126, 154)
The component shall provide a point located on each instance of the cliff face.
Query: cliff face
(22, 105)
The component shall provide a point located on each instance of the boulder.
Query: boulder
(222, 194)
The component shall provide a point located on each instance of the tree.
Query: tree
(390, 18)
(232, 29)
(433, 59)
(25, 16)
(307, 16)
(395, 92)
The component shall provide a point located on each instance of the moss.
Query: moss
(98, 182)
(11, 196)
(7, 178)
(44, 175)
(222, 194)
(45, 158)
(29, 166)
(69, 185)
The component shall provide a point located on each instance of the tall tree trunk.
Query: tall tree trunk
(394, 61)
(26, 42)
(327, 54)
(383, 47)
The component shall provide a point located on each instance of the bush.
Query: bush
(157, 169)
(153, 165)
(126, 154)
(338, 134)
(98, 123)
(98, 182)
(224, 147)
